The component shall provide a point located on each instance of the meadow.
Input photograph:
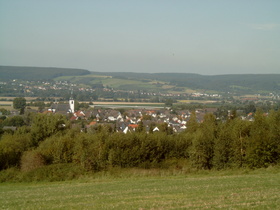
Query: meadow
(150, 189)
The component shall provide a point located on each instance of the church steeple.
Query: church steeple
(72, 103)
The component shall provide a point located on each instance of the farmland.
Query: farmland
(150, 189)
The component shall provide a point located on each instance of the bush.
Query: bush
(10, 175)
(11, 149)
(55, 172)
(31, 160)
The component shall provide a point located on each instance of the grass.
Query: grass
(139, 189)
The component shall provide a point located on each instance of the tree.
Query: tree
(202, 151)
(44, 126)
(263, 146)
(17, 121)
(11, 148)
(192, 124)
(20, 104)
(140, 127)
(168, 102)
(76, 105)
(41, 105)
(4, 111)
(250, 108)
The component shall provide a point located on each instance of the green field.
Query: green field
(150, 190)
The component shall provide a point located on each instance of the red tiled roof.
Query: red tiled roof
(92, 123)
(73, 118)
(132, 125)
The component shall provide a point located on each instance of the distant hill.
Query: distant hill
(241, 83)
(31, 73)
(163, 82)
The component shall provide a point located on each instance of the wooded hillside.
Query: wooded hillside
(31, 73)
(231, 82)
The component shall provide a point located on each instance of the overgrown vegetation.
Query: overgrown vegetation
(50, 141)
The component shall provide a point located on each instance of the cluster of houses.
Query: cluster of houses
(130, 119)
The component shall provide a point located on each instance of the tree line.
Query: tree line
(50, 139)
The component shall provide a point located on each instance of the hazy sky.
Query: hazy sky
(191, 36)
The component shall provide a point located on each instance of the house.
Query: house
(60, 108)
(63, 108)
(79, 114)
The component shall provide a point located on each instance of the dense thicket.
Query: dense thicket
(207, 145)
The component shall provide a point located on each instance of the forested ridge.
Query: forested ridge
(50, 142)
(37, 73)
(234, 83)
(229, 82)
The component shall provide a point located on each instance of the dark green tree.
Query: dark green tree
(192, 124)
(4, 111)
(41, 105)
(140, 127)
(44, 126)
(168, 102)
(261, 147)
(20, 104)
(16, 121)
(202, 151)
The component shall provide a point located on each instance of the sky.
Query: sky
(207, 37)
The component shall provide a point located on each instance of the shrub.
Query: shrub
(11, 149)
(31, 160)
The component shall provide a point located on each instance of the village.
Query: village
(89, 116)
(49, 88)
(131, 119)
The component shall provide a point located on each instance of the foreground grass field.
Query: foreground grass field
(258, 190)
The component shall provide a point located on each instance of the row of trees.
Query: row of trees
(207, 145)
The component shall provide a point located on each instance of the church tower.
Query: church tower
(72, 103)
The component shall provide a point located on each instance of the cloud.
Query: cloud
(265, 27)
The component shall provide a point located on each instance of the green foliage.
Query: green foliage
(169, 102)
(274, 132)
(4, 111)
(12, 147)
(192, 124)
(16, 121)
(90, 151)
(230, 144)
(140, 127)
(31, 160)
(44, 126)
(58, 148)
(203, 143)
(263, 144)
(163, 127)
(20, 104)
(146, 117)
(207, 145)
